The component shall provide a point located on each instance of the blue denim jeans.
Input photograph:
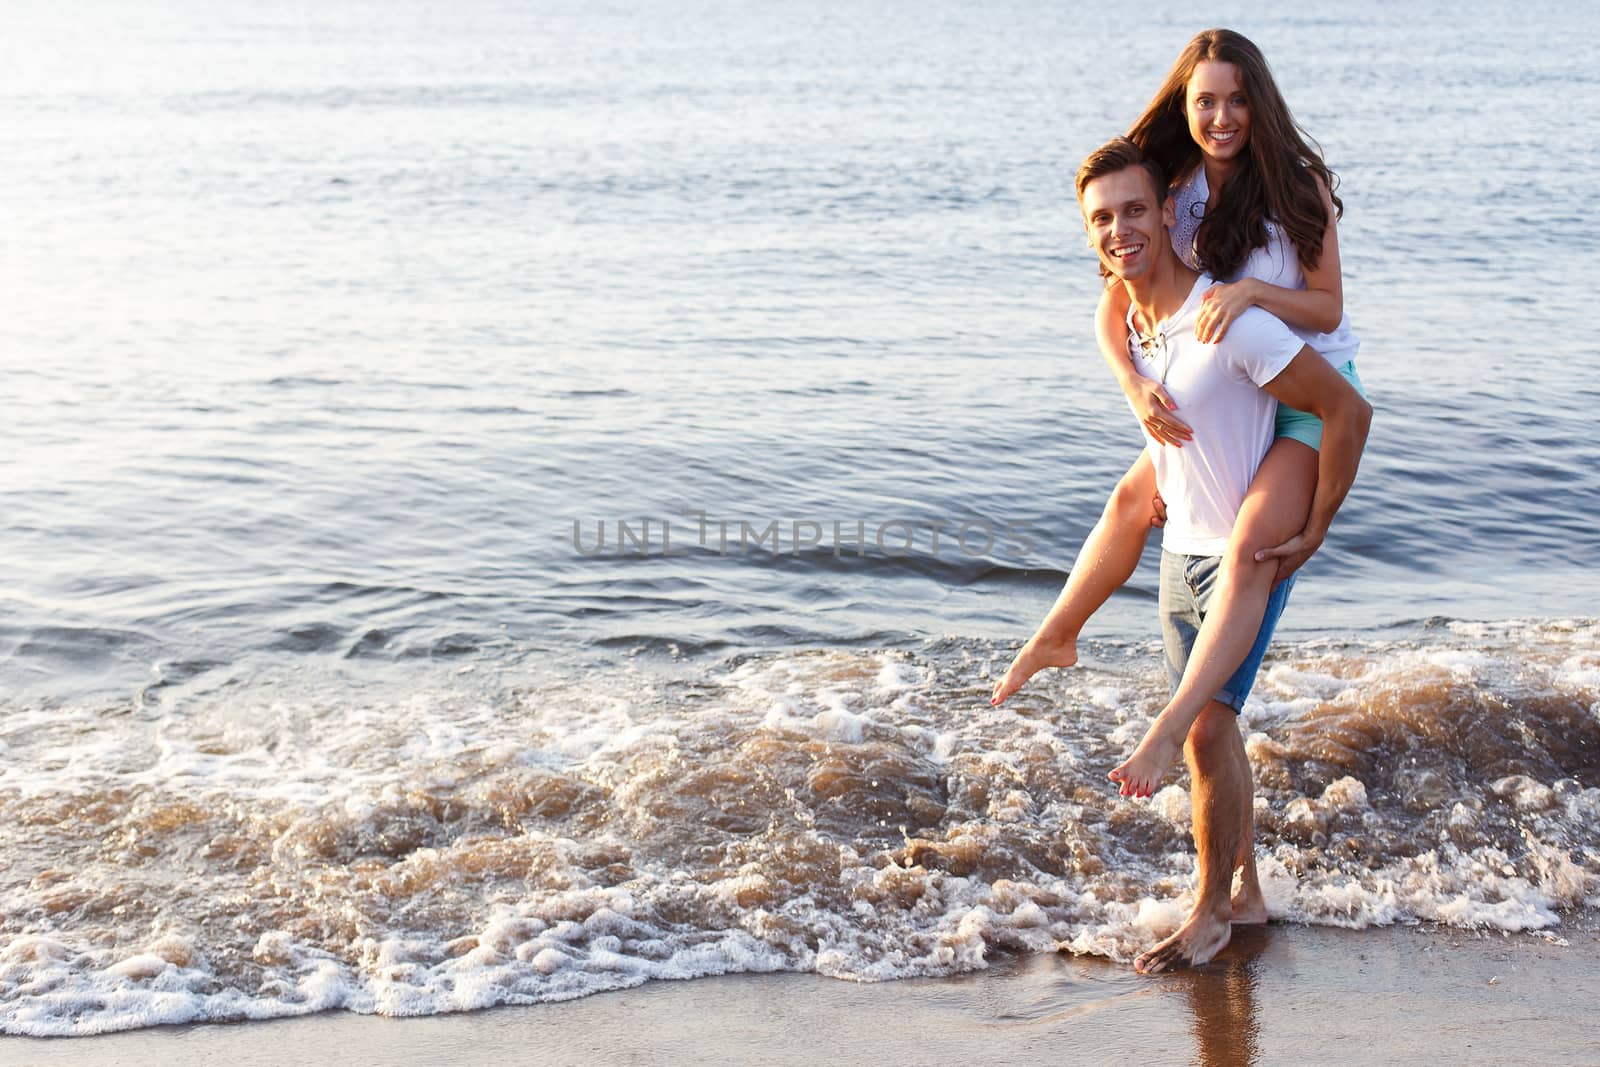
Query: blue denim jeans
(1187, 583)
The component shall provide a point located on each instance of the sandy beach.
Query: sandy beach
(1279, 995)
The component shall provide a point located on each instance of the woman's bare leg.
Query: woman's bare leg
(1108, 558)
(1274, 509)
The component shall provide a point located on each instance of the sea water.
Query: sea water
(472, 479)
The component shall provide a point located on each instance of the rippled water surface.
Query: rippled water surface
(338, 343)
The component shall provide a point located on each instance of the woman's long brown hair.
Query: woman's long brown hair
(1272, 180)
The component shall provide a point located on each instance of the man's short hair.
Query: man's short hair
(1120, 154)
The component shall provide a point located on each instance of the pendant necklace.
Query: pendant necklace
(1156, 342)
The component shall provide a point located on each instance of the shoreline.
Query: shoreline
(1278, 994)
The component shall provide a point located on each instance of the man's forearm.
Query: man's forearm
(1344, 435)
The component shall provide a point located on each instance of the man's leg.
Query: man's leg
(1249, 904)
(1221, 796)
(1221, 782)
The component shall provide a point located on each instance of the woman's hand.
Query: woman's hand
(1155, 410)
(1220, 306)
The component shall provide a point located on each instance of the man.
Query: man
(1229, 391)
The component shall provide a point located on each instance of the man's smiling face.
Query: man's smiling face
(1127, 220)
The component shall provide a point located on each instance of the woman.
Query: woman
(1255, 206)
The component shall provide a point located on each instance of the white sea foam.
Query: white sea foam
(874, 830)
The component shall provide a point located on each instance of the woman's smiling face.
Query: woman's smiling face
(1218, 111)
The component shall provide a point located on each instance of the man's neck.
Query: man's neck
(1159, 294)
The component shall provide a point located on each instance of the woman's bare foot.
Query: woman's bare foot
(1197, 941)
(1141, 772)
(1035, 656)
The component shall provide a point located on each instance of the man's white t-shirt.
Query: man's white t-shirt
(1217, 388)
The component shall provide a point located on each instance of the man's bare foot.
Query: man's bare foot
(1141, 772)
(1035, 656)
(1248, 905)
(1197, 941)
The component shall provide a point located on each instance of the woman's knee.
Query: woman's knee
(1133, 499)
(1239, 565)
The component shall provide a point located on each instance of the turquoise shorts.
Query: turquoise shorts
(1307, 428)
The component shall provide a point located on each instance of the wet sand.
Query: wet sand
(1279, 995)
